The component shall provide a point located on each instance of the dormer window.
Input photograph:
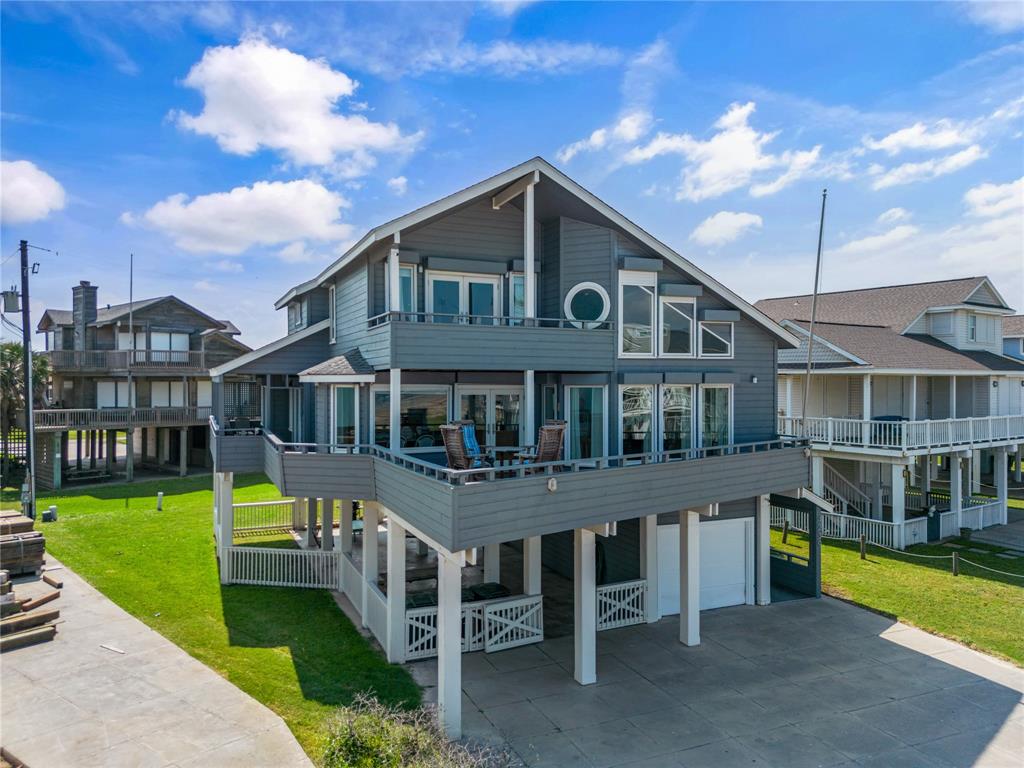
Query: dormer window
(972, 327)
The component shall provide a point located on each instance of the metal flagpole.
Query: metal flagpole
(29, 508)
(814, 309)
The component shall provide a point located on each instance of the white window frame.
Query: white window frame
(334, 413)
(655, 415)
(568, 421)
(579, 288)
(332, 312)
(408, 389)
(732, 339)
(693, 415)
(491, 392)
(412, 287)
(643, 280)
(700, 414)
(662, 301)
(972, 327)
(464, 279)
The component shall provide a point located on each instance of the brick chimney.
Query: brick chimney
(83, 307)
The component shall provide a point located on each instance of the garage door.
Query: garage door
(726, 564)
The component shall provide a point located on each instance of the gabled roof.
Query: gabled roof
(351, 366)
(890, 306)
(111, 313)
(274, 346)
(1013, 326)
(885, 349)
(506, 178)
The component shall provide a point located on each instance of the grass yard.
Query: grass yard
(292, 649)
(977, 608)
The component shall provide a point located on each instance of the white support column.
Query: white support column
(649, 564)
(927, 462)
(878, 489)
(310, 538)
(899, 502)
(371, 568)
(492, 562)
(532, 566)
(956, 492)
(396, 591)
(327, 530)
(1001, 470)
(449, 645)
(530, 276)
(975, 471)
(529, 409)
(395, 408)
(952, 397)
(789, 395)
(689, 577)
(345, 523)
(763, 537)
(913, 398)
(394, 281)
(866, 409)
(818, 475)
(584, 607)
(226, 511)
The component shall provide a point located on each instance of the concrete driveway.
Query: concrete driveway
(802, 683)
(71, 702)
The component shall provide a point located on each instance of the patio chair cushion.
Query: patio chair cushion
(469, 438)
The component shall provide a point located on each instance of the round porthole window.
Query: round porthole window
(587, 304)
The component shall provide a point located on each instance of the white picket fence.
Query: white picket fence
(264, 515)
(487, 625)
(377, 613)
(269, 567)
(621, 604)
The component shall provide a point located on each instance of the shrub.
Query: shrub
(369, 734)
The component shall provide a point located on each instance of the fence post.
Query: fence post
(863, 547)
(956, 563)
(785, 531)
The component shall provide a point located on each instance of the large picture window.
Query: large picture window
(716, 339)
(677, 325)
(423, 411)
(636, 313)
(677, 417)
(345, 415)
(637, 409)
(715, 415)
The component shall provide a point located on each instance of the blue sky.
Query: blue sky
(236, 149)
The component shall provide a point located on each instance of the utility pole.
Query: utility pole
(814, 310)
(29, 503)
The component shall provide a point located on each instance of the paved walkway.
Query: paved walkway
(801, 683)
(70, 702)
(1010, 535)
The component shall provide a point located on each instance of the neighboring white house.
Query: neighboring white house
(1013, 337)
(908, 382)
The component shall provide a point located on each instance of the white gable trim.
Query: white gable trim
(273, 346)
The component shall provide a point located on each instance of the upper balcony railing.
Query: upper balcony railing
(125, 359)
(980, 431)
(487, 320)
(59, 419)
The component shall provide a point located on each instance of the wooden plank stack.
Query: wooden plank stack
(25, 622)
(23, 552)
(14, 522)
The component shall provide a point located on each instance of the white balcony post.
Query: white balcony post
(866, 410)
(952, 399)
(913, 398)
(584, 607)
(1001, 470)
(226, 520)
(649, 564)
(956, 494)
(975, 471)
(529, 276)
(818, 474)
(327, 530)
(394, 280)
(396, 591)
(763, 520)
(529, 408)
(926, 472)
(371, 517)
(532, 566)
(395, 410)
(449, 645)
(345, 523)
(899, 501)
(492, 562)
(878, 489)
(689, 577)
(310, 538)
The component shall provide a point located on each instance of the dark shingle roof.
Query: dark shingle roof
(1013, 326)
(892, 306)
(885, 348)
(352, 363)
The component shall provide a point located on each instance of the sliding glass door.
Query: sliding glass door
(637, 419)
(496, 411)
(586, 411)
(677, 417)
(715, 416)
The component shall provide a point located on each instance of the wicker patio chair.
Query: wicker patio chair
(461, 446)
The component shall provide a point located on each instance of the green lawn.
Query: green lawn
(291, 649)
(977, 608)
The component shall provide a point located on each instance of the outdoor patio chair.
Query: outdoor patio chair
(550, 440)
(461, 446)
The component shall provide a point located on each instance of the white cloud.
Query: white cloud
(299, 253)
(507, 8)
(724, 227)
(876, 243)
(508, 58)
(627, 128)
(260, 96)
(27, 193)
(204, 285)
(399, 185)
(728, 160)
(942, 134)
(996, 15)
(226, 265)
(893, 215)
(267, 213)
(996, 199)
(908, 173)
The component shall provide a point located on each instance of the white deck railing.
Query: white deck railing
(487, 625)
(269, 567)
(264, 515)
(621, 604)
(844, 492)
(904, 435)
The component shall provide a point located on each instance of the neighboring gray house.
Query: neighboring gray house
(141, 369)
(520, 299)
(1013, 336)
(908, 381)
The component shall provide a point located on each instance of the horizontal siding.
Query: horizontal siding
(328, 476)
(297, 356)
(350, 297)
(422, 502)
(242, 453)
(477, 231)
(272, 466)
(586, 256)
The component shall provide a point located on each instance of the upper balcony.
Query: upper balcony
(61, 419)
(905, 438)
(149, 360)
(461, 509)
(420, 340)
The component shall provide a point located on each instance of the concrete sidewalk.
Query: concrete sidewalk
(71, 702)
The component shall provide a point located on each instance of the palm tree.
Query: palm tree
(12, 394)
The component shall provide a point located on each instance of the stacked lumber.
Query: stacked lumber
(22, 552)
(25, 622)
(14, 522)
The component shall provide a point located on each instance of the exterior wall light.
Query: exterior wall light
(552, 484)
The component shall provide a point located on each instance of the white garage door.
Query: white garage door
(726, 564)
